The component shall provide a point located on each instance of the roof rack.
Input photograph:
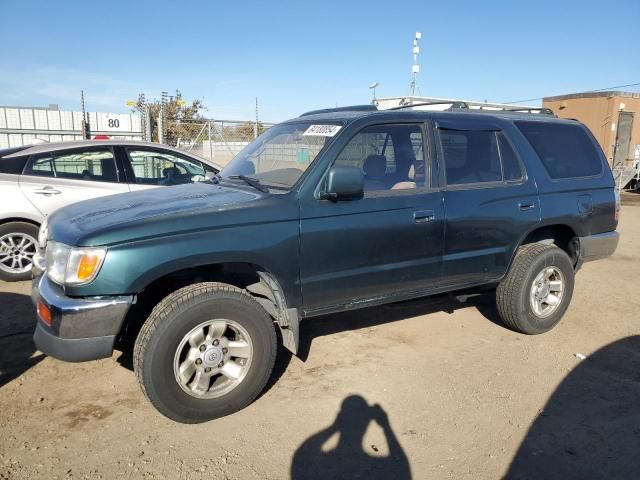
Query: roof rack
(352, 108)
(460, 105)
(454, 104)
(538, 110)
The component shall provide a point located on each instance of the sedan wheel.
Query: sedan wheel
(18, 246)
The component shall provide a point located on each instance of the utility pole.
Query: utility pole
(86, 133)
(255, 128)
(415, 68)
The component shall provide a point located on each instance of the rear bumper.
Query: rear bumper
(601, 245)
(81, 328)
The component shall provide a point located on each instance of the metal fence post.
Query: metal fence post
(255, 127)
(147, 124)
(210, 142)
(161, 125)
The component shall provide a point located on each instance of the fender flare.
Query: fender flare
(268, 293)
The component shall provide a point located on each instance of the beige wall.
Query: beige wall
(600, 115)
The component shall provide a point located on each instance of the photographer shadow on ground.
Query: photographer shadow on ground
(590, 427)
(17, 323)
(348, 459)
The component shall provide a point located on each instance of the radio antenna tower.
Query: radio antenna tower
(415, 68)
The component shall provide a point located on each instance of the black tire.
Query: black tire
(18, 228)
(171, 320)
(513, 295)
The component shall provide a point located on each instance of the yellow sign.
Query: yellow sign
(131, 103)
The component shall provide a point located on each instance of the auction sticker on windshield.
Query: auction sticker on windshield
(322, 130)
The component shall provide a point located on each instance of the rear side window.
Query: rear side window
(12, 165)
(510, 165)
(566, 151)
(473, 157)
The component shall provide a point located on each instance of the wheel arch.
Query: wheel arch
(255, 279)
(25, 219)
(559, 234)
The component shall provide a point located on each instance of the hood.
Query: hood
(156, 212)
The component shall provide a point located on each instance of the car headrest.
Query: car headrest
(375, 167)
(411, 174)
(170, 171)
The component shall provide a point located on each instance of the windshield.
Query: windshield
(280, 156)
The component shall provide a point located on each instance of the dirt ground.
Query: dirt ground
(428, 389)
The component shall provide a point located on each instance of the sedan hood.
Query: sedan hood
(154, 212)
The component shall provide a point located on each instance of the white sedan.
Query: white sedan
(38, 179)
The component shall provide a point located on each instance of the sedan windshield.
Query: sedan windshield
(280, 156)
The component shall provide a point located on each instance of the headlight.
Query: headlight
(73, 265)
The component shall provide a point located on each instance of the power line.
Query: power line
(588, 91)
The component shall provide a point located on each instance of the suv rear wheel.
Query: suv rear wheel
(206, 351)
(537, 290)
(18, 245)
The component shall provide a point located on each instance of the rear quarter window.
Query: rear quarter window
(566, 151)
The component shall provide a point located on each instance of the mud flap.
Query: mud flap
(267, 292)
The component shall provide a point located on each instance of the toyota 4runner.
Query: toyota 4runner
(335, 210)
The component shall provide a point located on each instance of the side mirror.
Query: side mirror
(344, 183)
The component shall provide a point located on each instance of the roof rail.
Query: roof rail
(454, 104)
(352, 108)
(537, 110)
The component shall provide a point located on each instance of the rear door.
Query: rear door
(385, 244)
(53, 180)
(490, 200)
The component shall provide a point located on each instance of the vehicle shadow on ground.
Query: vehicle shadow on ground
(17, 323)
(369, 317)
(590, 427)
(315, 459)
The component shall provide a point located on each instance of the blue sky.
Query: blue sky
(300, 55)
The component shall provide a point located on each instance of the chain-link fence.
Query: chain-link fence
(217, 140)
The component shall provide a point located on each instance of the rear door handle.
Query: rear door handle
(47, 191)
(423, 216)
(524, 206)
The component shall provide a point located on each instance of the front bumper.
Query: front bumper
(81, 328)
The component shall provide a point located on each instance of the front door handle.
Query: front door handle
(47, 191)
(524, 206)
(423, 216)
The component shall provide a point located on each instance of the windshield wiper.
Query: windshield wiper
(254, 182)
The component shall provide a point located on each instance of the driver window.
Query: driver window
(160, 168)
(391, 157)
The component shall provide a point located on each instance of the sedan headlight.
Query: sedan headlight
(73, 265)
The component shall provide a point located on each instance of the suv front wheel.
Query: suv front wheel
(537, 290)
(206, 351)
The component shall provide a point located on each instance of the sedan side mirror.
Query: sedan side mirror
(344, 183)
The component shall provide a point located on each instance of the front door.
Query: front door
(385, 244)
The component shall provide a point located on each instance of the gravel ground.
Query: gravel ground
(433, 388)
